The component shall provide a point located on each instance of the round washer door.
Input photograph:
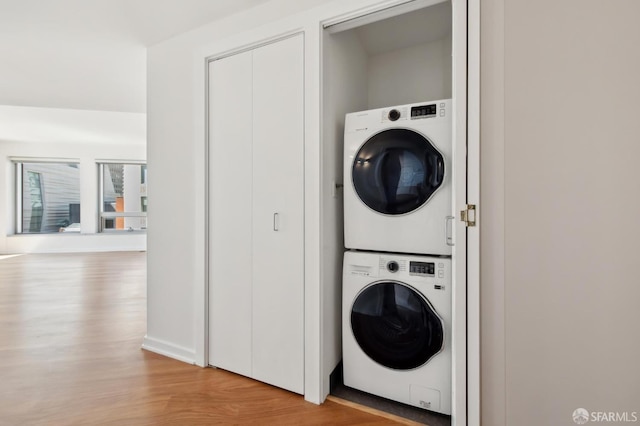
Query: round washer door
(396, 171)
(396, 326)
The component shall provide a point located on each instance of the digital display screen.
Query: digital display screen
(422, 268)
(423, 111)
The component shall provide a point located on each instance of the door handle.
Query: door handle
(276, 222)
(448, 225)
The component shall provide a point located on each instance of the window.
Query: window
(48, 195)
(123, 197)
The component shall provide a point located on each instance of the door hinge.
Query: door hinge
(468, 216)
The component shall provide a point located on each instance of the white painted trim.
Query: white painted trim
(167, 349)
(201, 210)
(17, 197)
(459, 256)
(115, 161)
(74, 242)
(473, 197)
(201, 214)
(44, 160)
(324, 383)
(252, 46)
(314, 387)
(374, 13)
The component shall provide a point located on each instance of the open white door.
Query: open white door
(466, 265)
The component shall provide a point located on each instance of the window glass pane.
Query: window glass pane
(125, 223)
(124, 192)
(50, 197)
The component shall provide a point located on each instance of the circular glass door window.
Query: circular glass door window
(396, 171)
(396, 326)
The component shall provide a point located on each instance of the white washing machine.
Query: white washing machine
(396, 327)
(397, 171)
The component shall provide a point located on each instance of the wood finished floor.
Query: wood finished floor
(70, 336)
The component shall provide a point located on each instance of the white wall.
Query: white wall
(86, 136)
(344, 59)
(409, 75)
(560, 146)
(492, 225)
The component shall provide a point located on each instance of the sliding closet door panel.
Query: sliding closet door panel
(278, 161)
(230, 206)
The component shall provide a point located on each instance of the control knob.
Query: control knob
(394, 114)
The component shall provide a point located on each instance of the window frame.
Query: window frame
(104, 216)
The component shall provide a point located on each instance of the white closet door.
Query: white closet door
(230, 207)
(278, 203)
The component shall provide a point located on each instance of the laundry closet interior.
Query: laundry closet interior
(399, 56)
(396, 58)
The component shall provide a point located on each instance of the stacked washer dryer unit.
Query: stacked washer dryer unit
(396, 305)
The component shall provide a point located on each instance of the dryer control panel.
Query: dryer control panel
(422, 268)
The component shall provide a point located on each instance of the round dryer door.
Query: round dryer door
(396, 326)
(396, 171)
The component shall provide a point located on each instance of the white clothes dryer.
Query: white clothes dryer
(397, 171)
(396, 327)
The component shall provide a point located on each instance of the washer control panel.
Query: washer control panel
(424, 272)
(422, 111)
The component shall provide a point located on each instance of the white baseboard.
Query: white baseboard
(169, 349)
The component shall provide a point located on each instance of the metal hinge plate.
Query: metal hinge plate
(468, 216)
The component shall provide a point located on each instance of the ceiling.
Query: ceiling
(91, 54)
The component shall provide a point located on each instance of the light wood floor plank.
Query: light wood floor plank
(71, 326)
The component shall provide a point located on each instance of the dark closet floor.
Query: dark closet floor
(407, 411)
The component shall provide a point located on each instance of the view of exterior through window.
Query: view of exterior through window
(49, 197)
(123, 197)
